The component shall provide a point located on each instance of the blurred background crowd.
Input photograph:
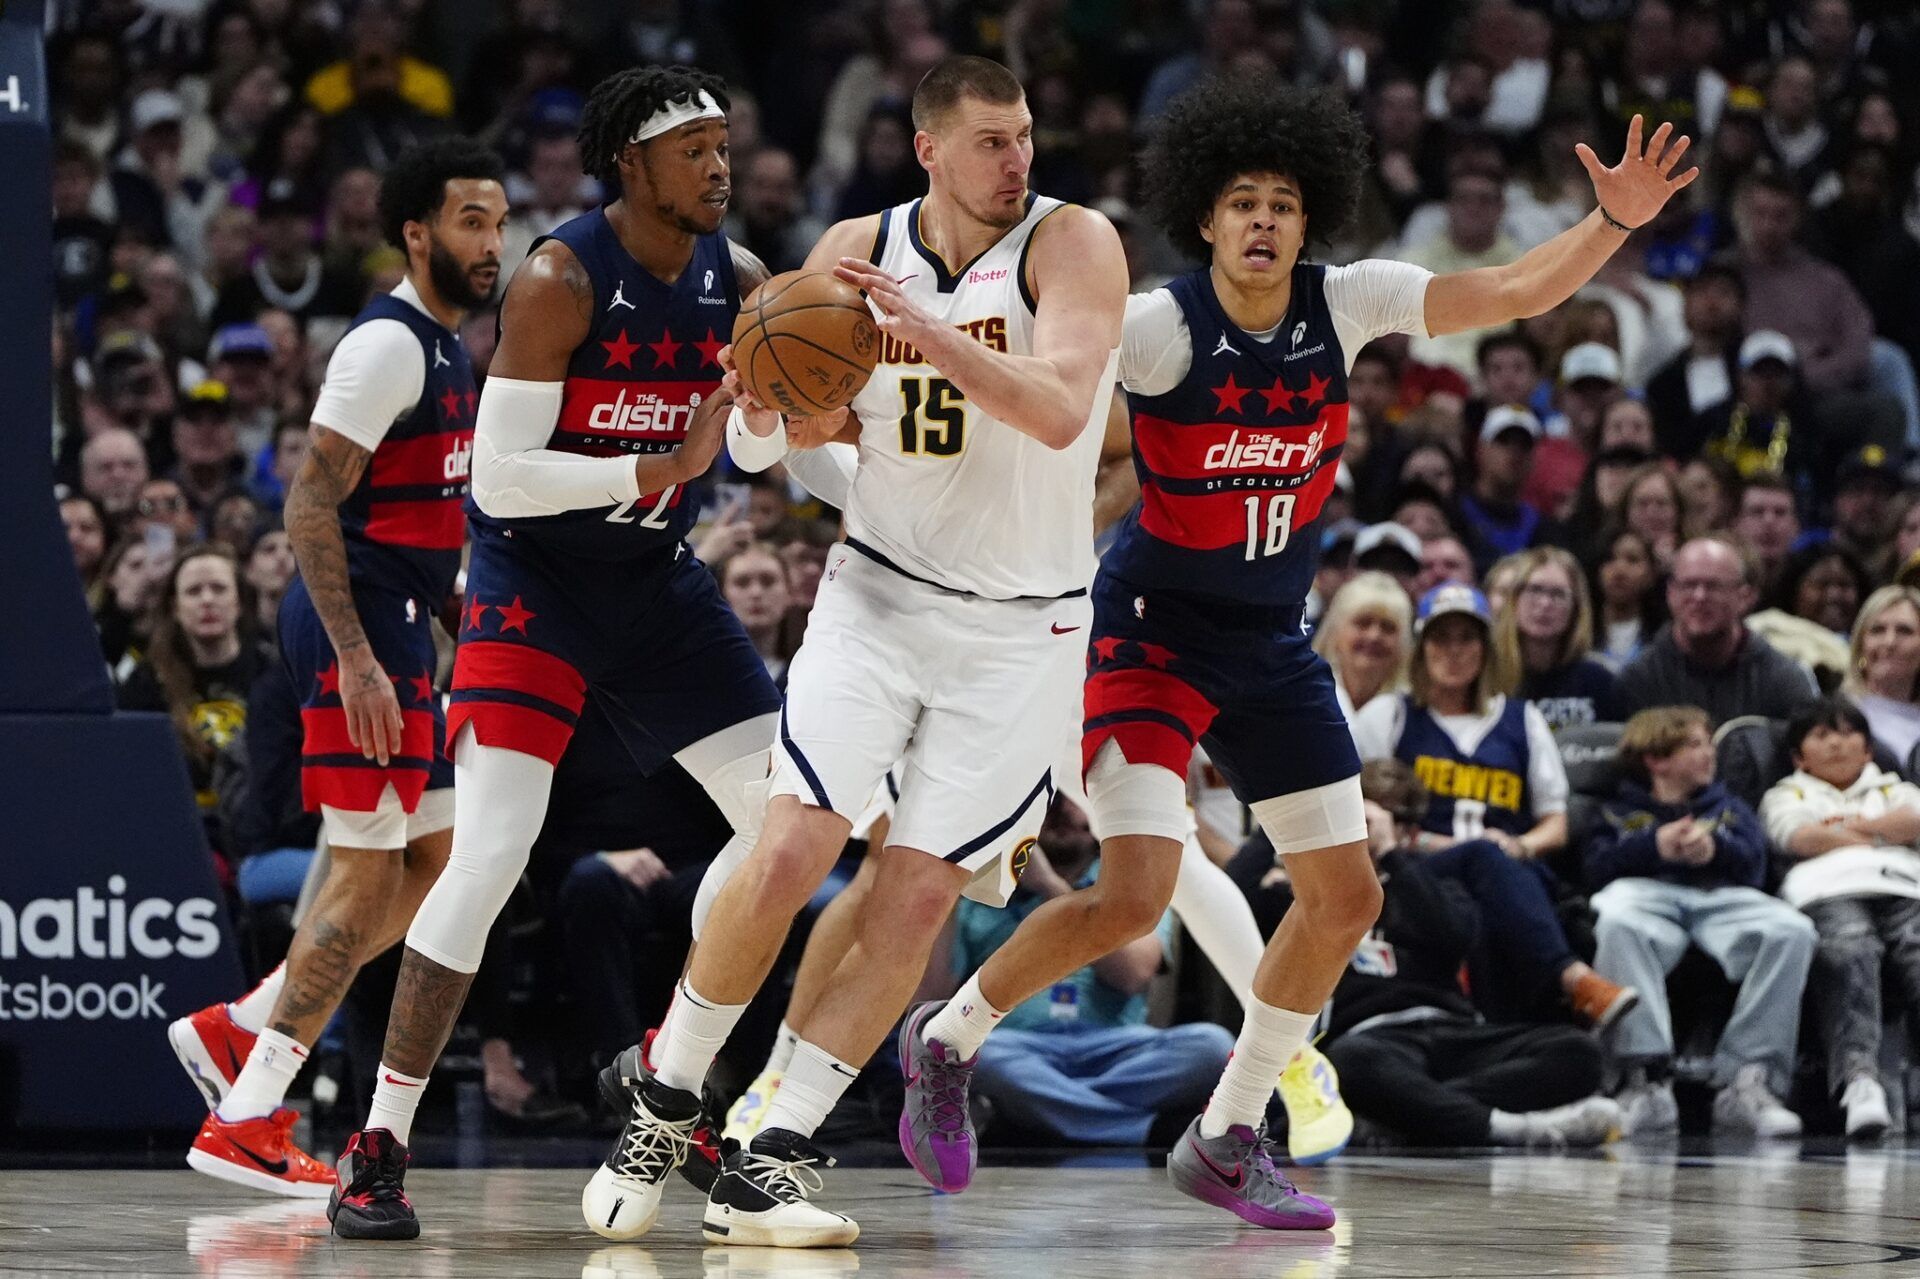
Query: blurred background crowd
(1688, 486)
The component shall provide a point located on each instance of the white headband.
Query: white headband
(675, 114)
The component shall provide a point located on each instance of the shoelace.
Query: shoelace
(654, 1146)
(788, 1180)
(946, 1101)
(380, 1179)
(1262, 1151)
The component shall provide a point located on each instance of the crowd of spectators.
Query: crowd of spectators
(1688, 487)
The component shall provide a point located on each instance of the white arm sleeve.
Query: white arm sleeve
(1374, 297)
(374, 379)
(1155, 348)
(754, 453)
(825, 472)
(515, 475)
(1546, 771)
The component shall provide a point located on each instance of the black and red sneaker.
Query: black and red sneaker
(703, 1159)
(369, 1195)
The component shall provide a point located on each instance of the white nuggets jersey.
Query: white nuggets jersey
(943, 492)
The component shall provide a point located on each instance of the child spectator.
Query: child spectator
(1676, 861)
(1850, 829)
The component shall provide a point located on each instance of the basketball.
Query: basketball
(804, 343)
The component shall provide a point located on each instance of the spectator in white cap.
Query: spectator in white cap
(153, 187)
(1589, 381)
(1389, 548)
(1504, 461)
(1766, 426)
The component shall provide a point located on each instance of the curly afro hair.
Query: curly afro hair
(415, 185)
(624, 101)
(1231, 125)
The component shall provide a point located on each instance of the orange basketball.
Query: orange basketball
(804, 343)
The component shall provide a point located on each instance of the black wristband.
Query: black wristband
(1614, 222)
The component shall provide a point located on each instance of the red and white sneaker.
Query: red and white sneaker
(260, 1153)
(212, 1048)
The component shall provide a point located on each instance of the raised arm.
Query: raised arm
(1630, 194)
(547, 313)
(1080, 281)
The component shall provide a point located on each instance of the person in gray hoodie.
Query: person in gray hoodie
(1676, 861)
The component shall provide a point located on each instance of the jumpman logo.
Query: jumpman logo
(440, 361)
(620, 297)
(1225, 347)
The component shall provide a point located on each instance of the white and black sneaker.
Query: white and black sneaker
(623, 1199)
(760, 1197)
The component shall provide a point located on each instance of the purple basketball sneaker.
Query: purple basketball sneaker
(1235, 1171)
(936, 1132)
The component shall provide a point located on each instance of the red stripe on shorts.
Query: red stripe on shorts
(521, 668)
(517, 728)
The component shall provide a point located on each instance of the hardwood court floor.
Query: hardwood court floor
(1630, 1212)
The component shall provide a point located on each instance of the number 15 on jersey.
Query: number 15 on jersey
(1269, 524)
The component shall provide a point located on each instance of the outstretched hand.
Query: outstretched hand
(1637, 188)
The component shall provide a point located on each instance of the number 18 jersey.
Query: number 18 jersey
(1238, 452)
(943, 492)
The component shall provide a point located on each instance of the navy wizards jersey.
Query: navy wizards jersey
(652, 356)
(1236, 461)
(1471, 792)
(404, 523)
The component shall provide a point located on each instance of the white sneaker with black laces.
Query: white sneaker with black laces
(623, 1199)
(761, 1196)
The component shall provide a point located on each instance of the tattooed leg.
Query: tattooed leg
(426, 1003)
(343, 928)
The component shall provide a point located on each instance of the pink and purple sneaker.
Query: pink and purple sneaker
(1236, 1171)
(936, 1132)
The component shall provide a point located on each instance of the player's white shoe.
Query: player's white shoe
(623, 1198)
(761, 1197)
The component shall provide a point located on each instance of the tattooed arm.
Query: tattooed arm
(749, 272)
(329, 475)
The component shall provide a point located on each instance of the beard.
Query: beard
(454, 282)
(993, 213)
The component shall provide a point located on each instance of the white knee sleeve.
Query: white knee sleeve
(1135, 799)
(732, 765)
(1309, 820)
(500, 801)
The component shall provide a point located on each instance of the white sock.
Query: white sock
(783, 1046)
(251, 1010)
(1269, 1037)
(812, 1086)
(964, 1024)
(264, 1080)
(395, 1098)
(1504, 1128)
(1218, 916)
(693, 1036)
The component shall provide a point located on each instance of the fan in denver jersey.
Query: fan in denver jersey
(376, 523)
(1236, 375)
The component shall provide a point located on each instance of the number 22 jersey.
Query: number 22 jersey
(1237, 437)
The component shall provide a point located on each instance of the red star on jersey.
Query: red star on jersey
(1279, 397)
(513, 617)
(621, 351)
(1230, 395)
(1158, 656)
(450, 404)
(710, 350)
(330, 681)
(1316, 389)
(473, 402)
(475, 611)
(1107, 646)
(665, 349)
(422, 688)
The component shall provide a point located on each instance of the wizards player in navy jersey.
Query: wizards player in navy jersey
(376, 519)
(1236, 376)
(603, 402)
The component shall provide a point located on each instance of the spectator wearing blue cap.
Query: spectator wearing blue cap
(240, 358)
(1497, 804)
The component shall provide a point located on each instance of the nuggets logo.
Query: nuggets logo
(1022, 854)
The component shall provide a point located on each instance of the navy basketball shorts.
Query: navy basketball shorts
(1167, 671)
(363, 803)
(650, 640)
